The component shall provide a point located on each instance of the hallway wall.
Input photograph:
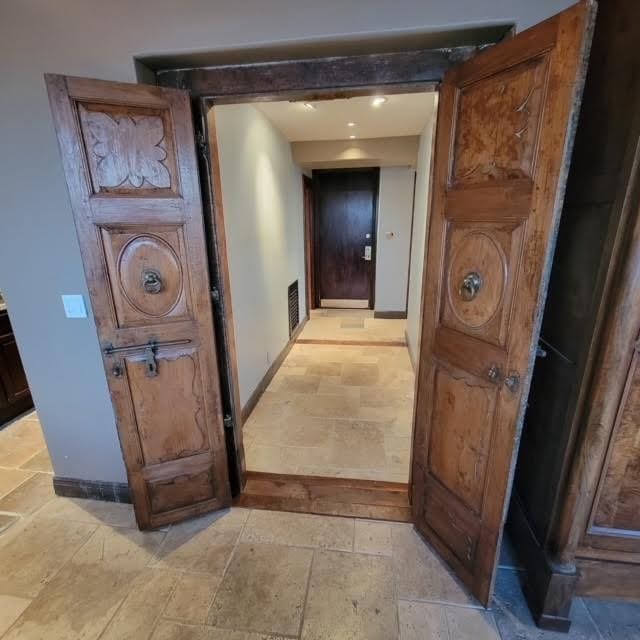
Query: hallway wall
(422, 198)
(395, 210)
(262, 200)
(39, 254)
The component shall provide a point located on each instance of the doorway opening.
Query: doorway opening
(331, 195)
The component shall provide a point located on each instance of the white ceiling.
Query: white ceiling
(401, 115)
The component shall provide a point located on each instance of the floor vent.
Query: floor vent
(294, 311)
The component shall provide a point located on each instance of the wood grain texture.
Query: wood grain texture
(138, 215)
(525, 91)
(327, 496)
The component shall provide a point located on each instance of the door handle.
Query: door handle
(367, 252)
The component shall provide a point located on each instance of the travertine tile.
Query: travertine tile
(420, 573)
(422, 621)
(299, 529)
(169, 630)
(192, 597)
(360, 374)
(40, 462)
(201, 545)
(372, 537)
(350, 596)
(357, 443)
(30, 495)
(325, 406)
(471, 623)
(263, 589)
(19, 442)
(119, 549)
(12, 478)
(74, 605)
(6, 520)
(116, 514)
(11, 608)
(615, 620)
(141, 609)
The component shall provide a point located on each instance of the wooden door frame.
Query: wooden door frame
(308, 207)
(322, 78)
(374, 235)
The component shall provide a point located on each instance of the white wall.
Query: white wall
(421, 202)
(262, 201)
(39, 256)
(395, 210)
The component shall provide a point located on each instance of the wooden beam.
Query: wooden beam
(319, 78)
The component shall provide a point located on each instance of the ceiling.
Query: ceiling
(401, 115)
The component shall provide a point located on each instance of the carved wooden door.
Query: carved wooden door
(504, 134)
(129, 159)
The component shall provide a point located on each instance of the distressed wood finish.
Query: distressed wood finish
(327, 496)
(504, 127)
(319, 78)
(129, 158)
(576, 496)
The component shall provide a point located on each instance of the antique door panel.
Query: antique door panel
(503, 140)
(129, 159)
(614, 523)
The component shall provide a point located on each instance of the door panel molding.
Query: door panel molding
(503, 141)
(129, 157)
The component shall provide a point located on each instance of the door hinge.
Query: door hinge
(227, 421)
(202, 143)
(215, 294)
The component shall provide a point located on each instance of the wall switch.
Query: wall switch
(74, 306)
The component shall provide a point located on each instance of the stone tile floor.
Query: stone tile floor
(79, 569)
(335, 410)
(352, 324)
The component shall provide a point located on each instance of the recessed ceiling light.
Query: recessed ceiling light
(309, 107)
(351, 124)
(352, 137)
(378, 101)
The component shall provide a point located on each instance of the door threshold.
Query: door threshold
(371, 499)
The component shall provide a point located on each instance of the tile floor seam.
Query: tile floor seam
(445, 603)
(596, 626)
(306, 594)
(227, 565)
(33, 473)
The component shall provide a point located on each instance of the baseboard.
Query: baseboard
(411, 358)
(549, 587)
(271, 371)
(92, 489)
(608, 579)
(390, 315)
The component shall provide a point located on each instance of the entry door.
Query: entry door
(130, 163)
(504, 135)
(345, 218)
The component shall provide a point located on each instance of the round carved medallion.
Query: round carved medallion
(150, 275)
(478, 257)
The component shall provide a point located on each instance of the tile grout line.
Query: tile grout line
(596, 626)
(306, 594)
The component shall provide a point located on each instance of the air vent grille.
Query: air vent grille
(294, 311)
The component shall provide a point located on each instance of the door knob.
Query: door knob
(512, 381)
(470, 286)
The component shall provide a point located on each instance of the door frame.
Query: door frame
(322, 78)
(308, 211)
(374, 235)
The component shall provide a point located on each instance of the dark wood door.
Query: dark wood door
(503, 138)
(345, 213)
(15, 397)
(129, 159)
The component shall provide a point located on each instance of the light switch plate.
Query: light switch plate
(74, 306)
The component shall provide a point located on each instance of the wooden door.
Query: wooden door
(309, 254)
(504, 133)
(129, 159)
(346, 218)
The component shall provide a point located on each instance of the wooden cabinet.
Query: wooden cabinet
(575, 511)
(15, 397)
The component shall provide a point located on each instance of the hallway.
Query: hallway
(337, 410)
